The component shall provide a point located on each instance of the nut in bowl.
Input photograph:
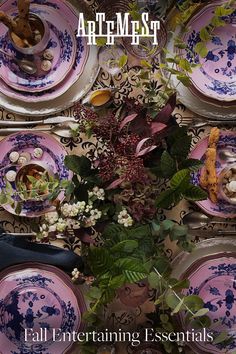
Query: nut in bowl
(35, 182)
(227, 184)
(39, 40)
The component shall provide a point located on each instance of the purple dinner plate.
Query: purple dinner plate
(38, 303)
(53, 158)
(216, 74)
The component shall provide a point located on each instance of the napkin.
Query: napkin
(15, 250)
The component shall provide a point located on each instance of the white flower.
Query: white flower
(81, 206)
(95, 214)
(69, 210)
(61, 225)
(125, 219)
(99, 193)
(51, 218)
(75, 274)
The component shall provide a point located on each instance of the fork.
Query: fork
(199, 122)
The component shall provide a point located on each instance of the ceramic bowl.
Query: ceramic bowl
(27, 169)
(39, 47)
(224, 176)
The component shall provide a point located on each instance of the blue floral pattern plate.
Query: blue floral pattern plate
(53, 158)
(38, 303)
(62, 44)
(222, 209)
(216, 74)
(213, 278)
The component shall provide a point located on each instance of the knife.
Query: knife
(53, 120)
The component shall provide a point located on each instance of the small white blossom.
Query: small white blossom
(75, 274)
(95, 214)
(61, 225)
(125, 219)
(52, 217)
(81, 206)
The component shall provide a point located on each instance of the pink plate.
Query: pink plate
(53, 10)
(213, 278)
(216, 75)
(53, 157)
(38, 303)
(222, 208)
(62, 43)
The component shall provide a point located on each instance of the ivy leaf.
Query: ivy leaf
(201, 49)
(180, 180)
(195, 193)
(80, 165)
(168, 165)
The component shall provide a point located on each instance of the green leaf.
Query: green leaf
(185, 80)
(201, 312)
(221, 338)
(154, 280)
(122, 61)
(201, 49)
(167, 225)
(133, 269)
(164, 318)
(192, 164)
(180, 285)
(3, 198)
(168, 165)
(117, 281)
(180, 180)
(204, 35)
(168, 198)
(100, 260)
(217, 22)
(178, 307)
(185, 65)
(171, 299)
(94, 293)
(193, 302)
(195, 193)
(221, 11)
(18, 208)
(101, 41)
(127, 246)
(80, 165)
(146, 64)
(201, 322)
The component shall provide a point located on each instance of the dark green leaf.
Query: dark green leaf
(80, 165)
(127, 246)
(154, 280)
(192, 164)
(195, 193)
(180, 180)
(168, 165)
(168, 198)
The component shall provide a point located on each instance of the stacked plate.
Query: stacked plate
(39, 309)
(211, 270)
(74, 66)
(213, 82)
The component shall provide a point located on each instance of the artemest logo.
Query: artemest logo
(122, 27)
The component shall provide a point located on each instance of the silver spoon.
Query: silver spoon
(25, 65)
(62, 130)
(196, 220)
(227, 155)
